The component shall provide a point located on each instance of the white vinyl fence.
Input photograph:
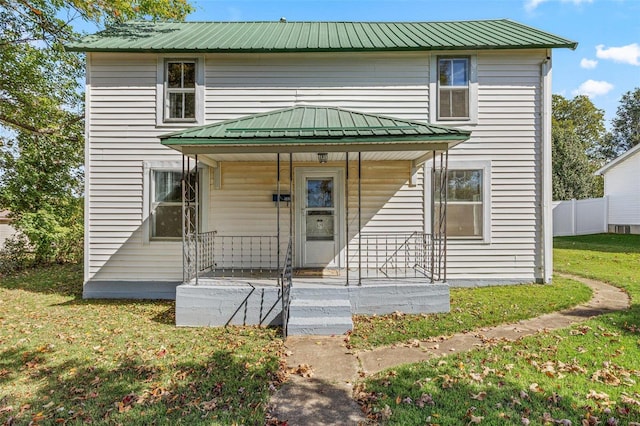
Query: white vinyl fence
(580, 217)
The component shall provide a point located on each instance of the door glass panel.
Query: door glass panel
(320, 209)
(320, 226)
(320, 192)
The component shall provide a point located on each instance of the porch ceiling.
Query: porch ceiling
(310, 129)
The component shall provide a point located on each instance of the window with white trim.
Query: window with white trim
(166, 204)
(180, 90)
(454, 75)
(466, 203)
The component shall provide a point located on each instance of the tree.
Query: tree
(582, 116)
(41, 114)
(626, 124)
(578, 134)
(572, 171)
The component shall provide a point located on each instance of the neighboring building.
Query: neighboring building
(273, 112)
(622, 189)
(6, 230)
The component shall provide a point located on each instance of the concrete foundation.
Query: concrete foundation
(243, 304)
(223, 302)
(155, 290)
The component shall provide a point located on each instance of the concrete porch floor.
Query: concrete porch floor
(309, 277)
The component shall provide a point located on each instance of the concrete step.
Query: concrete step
(319, 292)
(323, 326)
(309, 308)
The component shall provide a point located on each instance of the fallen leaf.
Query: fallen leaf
(475, 420)
(534, 387)
(425, 399)
(479, 396)
(598, 396)
(386, 413)
(303, 370)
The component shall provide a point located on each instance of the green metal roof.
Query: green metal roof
(315, 126)
(145, 36)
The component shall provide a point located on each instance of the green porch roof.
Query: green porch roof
(145, 36)
(302, 128)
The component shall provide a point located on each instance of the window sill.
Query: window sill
(174, 124)
(166, 241)
(456, 122)
(468, 240)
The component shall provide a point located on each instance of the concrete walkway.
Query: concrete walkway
(325, 398)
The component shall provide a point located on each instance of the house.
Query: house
(6, 230)
(622, 190)
(255, 170)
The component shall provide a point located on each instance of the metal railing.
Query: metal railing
(381, 255)
(237, 255)
(394, 255)
(286, 279)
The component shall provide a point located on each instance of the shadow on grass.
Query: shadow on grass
(223, 389)
(64, 280)
(166, 316)
(610, 243)
(325, 403)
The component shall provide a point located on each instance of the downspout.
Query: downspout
(87, 170)
(546, 220)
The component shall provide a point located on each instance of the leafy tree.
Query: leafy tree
(41, 115)
(578, 134)
(626, 124)
(582, 116)
(572, 171)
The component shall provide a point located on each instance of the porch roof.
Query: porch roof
(314, 128)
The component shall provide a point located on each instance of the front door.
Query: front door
(318, 224)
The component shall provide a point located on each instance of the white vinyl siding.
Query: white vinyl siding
(622, 187)
(123, 130)
(508, 135)
(243, 205)
(391, 84)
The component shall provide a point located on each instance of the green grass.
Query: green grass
(67, 360)
(583, 374)
(470, 309)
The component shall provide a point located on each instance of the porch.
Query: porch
(326, 258)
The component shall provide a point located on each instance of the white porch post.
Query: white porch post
(346, 209)
(278, 211)
(360, 218)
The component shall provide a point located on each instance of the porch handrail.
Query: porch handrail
(394, 255)
(286, 279)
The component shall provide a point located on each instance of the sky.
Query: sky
(605, 65)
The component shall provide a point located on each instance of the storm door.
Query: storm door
(319, 217)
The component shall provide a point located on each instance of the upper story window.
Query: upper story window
(180, 90)
(454, 76)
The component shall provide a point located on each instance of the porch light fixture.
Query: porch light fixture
(323, 157)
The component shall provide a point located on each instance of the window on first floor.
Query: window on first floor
(166, 204)
(467, 203)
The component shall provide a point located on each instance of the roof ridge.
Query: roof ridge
(313, 22)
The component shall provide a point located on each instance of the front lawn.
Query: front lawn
(70, 361)
(588, 374)
(471, 308)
